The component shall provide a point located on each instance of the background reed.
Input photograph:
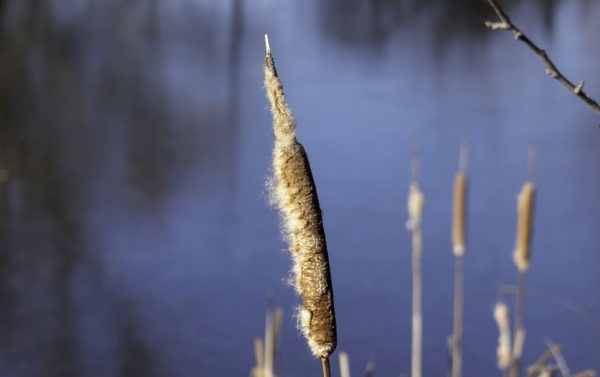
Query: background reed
(522, 257)
(416, 201)
(459, 223)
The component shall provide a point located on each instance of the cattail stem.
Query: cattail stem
(458, 248)
(519, 323)
(326, 368)
(415, 210)
(269, 344)
(459, 292)
(294, 192)
(417, 317)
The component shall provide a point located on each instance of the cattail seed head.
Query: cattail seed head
(459, 214)
(294, 193)
(501, 316)
(525, 202)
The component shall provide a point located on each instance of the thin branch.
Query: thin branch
(551, 69)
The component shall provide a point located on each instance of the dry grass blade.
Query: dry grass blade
(540, 367)
(259, 355)
(294, 193)
(586, 373)
(558, 356)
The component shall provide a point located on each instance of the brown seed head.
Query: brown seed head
(294, 192)
(459, 213)
(525, 202)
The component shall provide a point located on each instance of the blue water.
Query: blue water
(148, 129)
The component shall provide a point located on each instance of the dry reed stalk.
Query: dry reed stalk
(259, 355)
(344, 364)
(265, 352)
(458, 247)
(269, 344)
(540, 368)
(294, 192)
(415, 204)
(522, 257)
(501, 316)
(517, 352)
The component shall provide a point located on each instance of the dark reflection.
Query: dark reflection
(359, 21)
(42, 133)
(137, 358)
(548, 14)
(374, 21)
(76, 90)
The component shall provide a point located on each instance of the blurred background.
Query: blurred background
(136, 238)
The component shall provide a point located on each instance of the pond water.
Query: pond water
(137, 234)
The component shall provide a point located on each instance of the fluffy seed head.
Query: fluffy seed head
(501, 316)
(294, 193)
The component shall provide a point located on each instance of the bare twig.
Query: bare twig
(551, 69)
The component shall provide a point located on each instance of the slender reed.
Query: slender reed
(522, 256)
(294, 193)
(458, 245)
(415, 204)
(344, 364)
(269, 343)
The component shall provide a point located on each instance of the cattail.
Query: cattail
(525, 202)
(294, 193)
(459, 213)
(416, 200)
(503, 353)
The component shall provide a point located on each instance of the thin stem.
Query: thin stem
(326, 369)
(551, 69)
(519, 321)
(417, 319)
(459, 296)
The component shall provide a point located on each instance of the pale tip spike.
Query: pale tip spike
(267, 45)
